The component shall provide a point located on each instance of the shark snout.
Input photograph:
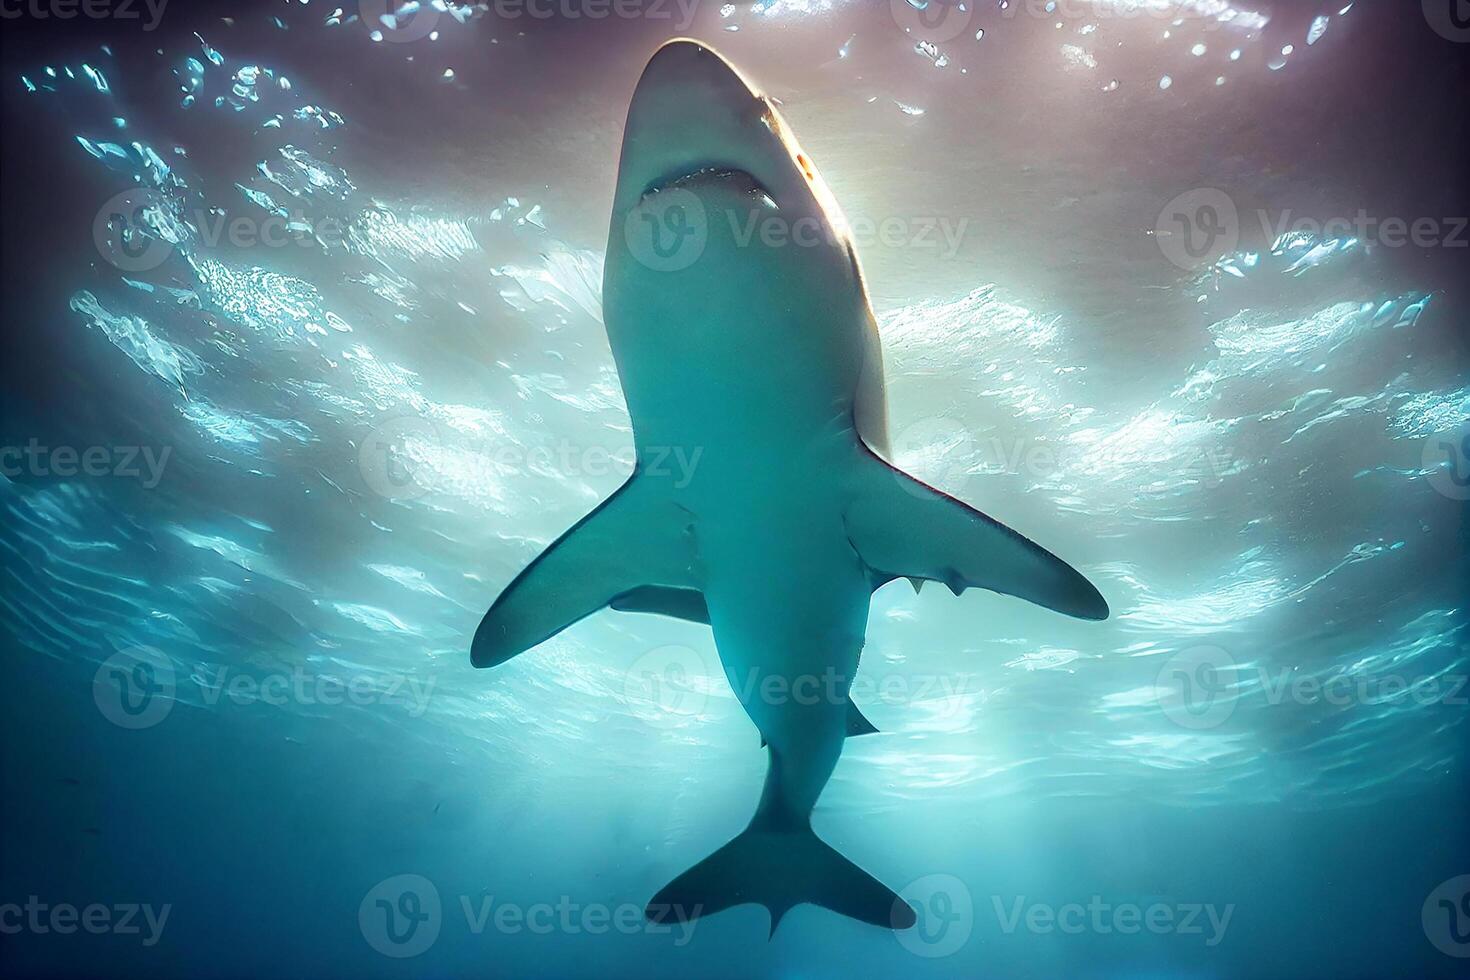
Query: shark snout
(691, 112)
(685, 73)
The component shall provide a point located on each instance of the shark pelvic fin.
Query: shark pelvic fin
(857, 724)
(900, 526)
(779, 869)
(686, 604)
(636, 538)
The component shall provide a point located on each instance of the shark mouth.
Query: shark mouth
(706, 176)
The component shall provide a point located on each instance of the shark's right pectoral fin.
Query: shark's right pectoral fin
(636, 539)
(900, 526)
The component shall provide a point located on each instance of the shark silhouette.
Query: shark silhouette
(756, 353)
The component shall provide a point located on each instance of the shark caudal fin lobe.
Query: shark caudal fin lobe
(779, 869)
(635, 539)
(901, 526)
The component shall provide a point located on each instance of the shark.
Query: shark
(739, 322)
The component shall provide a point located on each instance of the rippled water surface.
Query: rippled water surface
(349, 441)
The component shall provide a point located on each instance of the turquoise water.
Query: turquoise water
(328, 436)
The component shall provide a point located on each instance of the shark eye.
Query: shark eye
(806, 166)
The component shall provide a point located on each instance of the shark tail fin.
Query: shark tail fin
(779, 869)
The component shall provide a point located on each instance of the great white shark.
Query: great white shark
(757, 355)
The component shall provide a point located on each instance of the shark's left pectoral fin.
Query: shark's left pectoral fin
(900, 526)
(635, 540)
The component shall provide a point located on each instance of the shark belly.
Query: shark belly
(789, 639)
(787, 594)
(737, 353)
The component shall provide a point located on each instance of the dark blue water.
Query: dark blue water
(304, 361)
